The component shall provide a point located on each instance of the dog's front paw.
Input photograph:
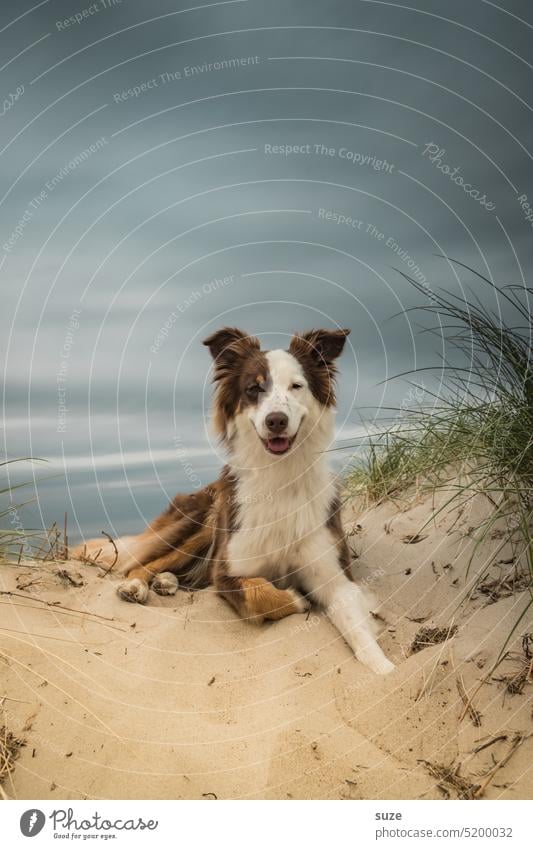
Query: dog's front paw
(302, 604)
(165, 583)
(134, 590)
(374, 659)
(384, 666)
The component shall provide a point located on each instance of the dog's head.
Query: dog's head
(274, 392)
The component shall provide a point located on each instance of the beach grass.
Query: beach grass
(476, 435)
(15, 538)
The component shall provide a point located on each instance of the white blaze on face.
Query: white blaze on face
(287, 392)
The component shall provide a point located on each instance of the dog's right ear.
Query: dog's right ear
(229, 343)
(222, 339)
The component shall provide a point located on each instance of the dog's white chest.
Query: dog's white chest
(276, 522)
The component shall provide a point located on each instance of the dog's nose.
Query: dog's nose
(276, 422)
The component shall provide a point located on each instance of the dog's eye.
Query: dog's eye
(297, 386)
(254, 389)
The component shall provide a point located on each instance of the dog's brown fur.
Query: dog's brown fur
(194, 530)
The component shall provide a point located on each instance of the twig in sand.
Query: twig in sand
(515, 680)
(474, 714)
(69, 579)
(469, 708)
(112, 541)
(470, 699)
(26, 580)
(93, 561)
(39, 550)
(54, 604)
(65, 538)
(448, 779)
(34, 634)
(503, 587)
(11, 699)
(9, 751)
(57, 609)
(486, 745)
(51, 542)
(429, 682)
(517, 741)
(413, 539)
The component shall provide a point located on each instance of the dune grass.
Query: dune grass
(483, 417)
(477, 435)
(15, 539)
(420, 450)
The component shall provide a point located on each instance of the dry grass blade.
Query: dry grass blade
(504, 587)
(412, 539)
(69, 578)
(488, 743)
(54, 605)
(516, 683)
(517, 741)
(470, 699)
(9, 751)
(449, 781)
(65, 538)
(516, 679)
(92, 561)
(474, 714)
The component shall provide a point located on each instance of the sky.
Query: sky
(168, 168)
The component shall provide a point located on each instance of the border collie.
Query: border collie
(267, 534)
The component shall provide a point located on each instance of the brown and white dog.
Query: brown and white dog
(267, 534)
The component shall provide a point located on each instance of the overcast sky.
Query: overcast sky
(267, 164)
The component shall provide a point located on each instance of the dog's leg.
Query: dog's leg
(150, 546)
(159, 572)
(345, 606)
(257, 599)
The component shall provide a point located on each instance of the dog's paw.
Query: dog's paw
(134, 590)
(384, 667)
(302, 604)
(374, 659)
(165, 583)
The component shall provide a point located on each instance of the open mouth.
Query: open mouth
(278, 444)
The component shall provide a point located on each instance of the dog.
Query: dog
(267, 535)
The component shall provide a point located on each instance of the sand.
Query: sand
(179, 699)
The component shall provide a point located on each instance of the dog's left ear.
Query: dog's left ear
(323, 346)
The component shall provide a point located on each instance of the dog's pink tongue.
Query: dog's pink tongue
(278, 444)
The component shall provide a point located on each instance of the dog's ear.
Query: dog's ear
(324, 346)
(317, 351)
(229, 343)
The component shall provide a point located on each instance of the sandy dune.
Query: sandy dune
(179, 699)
